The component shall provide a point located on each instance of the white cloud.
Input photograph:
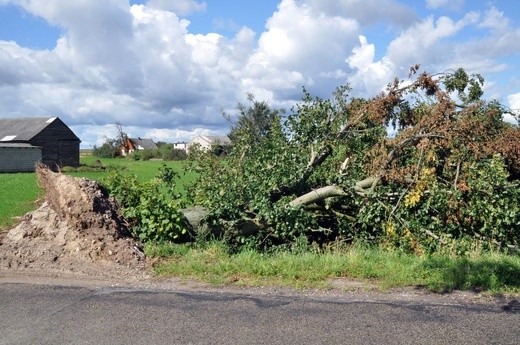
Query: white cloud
(367, 12)
(175, 135)
(495, 20)
(426, 41)
(180, 7)
(514, 104)
(370, 76)
(300, 45)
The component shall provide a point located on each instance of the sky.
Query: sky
(167, 69)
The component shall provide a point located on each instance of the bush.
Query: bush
(174, 155)
(151, 208)
(105, 151)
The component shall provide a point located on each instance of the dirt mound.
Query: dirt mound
(77, 229)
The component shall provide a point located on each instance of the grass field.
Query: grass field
(19, 192)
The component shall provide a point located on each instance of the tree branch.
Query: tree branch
(318, 195)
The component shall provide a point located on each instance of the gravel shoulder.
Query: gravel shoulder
(344, 290)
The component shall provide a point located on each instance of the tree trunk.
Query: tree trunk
(194, 216)
(317, 195)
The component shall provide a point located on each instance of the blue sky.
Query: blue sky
(166, 69)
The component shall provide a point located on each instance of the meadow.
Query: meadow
(20, 193)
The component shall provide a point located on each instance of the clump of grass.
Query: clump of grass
(213, 263)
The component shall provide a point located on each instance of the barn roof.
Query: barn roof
(22, 128)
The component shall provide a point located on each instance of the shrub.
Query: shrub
(151, 208)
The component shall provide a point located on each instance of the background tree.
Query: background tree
(110, 147)
(254, 121)
(121, 136)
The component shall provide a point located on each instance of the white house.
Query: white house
(206, 142)
(181, 146)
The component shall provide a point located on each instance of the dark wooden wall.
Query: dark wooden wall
(60, 146)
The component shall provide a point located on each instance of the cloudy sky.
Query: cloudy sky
(166, 69)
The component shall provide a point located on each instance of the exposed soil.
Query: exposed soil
(77, 229)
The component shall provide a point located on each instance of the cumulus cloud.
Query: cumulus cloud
(367, 12)
(299, 46)
(180, 7)
(370, 75)
(141, 66)
(434, 43)
(514, 104)
(427, 41)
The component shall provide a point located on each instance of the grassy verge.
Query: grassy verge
(491, 272)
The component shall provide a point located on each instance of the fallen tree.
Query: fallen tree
(329, 171)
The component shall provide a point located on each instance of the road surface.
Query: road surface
(59, 314)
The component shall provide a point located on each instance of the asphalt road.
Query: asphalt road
(52, 314)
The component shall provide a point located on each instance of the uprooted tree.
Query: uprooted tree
(448, 174)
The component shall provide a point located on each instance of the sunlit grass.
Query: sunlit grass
(491, 272)
(19, 193)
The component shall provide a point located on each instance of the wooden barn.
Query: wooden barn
(26, 141)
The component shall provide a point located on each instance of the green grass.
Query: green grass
(19, 192)
(491, 272)
(144, 170)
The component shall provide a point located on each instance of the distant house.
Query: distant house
(206, 142)
(26, 141)
(181, 146)
(132, 144)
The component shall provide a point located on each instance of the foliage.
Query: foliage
(107, 150)
(255, 121)
(168, 152)
(144, 155)
(110, 147)
(165, 151)
(330, 170)
(152, 215)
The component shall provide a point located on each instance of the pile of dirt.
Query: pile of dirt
(78, 228)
